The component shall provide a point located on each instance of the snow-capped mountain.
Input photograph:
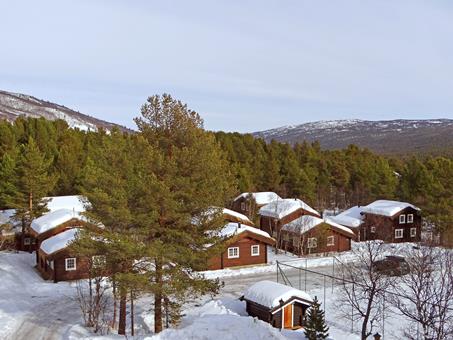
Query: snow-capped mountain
(12, 105)
(390, 136)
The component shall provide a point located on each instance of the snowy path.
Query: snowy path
(31, 308)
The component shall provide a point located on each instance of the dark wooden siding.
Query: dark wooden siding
(385, 227)
(59, 272)
(258, 311)
(321, 233)
(245, 255)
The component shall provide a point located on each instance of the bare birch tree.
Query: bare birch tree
(362, 287)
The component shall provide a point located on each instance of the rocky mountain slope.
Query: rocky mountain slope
(391, 136)
(12, 105)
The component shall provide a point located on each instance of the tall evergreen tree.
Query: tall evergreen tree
(192, 177)
(316, 327)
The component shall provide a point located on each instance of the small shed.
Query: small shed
(279, 305)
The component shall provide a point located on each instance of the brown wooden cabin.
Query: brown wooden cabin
(279, 305)
(248, 203)
(275, 215)
(391, 221)
(245, 246)
(57, 262)
(313, 235)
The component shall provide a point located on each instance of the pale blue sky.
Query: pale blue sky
(243, 65)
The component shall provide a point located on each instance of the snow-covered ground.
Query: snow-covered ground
(31, 308)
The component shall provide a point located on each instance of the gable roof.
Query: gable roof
(386, 207)
(59, 242)
(234, 216)
(283, 207)
(75, 203)
(232, 230)
(261, 198)
(305, 223)
(52, 220)
(351, 218)
(269, 294)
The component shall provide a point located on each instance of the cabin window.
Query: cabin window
(373, 229)
(243, 206)
(413, 232)
(330, 240)
(51, 264)
(296, 241)
(410, 218)
(233, 252)
(27, 241)
(398, 233)
(255, 250)
(312, 242)
(402, 219)
(33, 241)
(98, 261)
(285, 237)
(70, 264)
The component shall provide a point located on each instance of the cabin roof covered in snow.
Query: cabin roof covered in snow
(305, 223)
(261, 198)
(59, 241)
(232, 229)
(283, 207)
(75, 203)
(237, 215)
(269, 294)
(350, 218)
(54, 219)
(386, 207)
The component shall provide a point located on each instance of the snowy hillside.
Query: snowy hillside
(13, 105)
(392, 136)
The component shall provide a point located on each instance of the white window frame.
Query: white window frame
(66, 261)
(27, 241)
(397, 233)
(373, 229)
(410, 218)
(243, 206)
(312, 242)
(330, 241)
(255, 253)
(233, 252)
(402, 219)
(413, 232)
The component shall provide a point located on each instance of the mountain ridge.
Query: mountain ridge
(13, 105)
(383, 136)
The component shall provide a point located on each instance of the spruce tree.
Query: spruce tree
(315, 326)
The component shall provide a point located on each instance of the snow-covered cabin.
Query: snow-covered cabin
(310, 235)
(351, 218)
(245, 246)
(282, 211)
(280, 305)
(54, 223)
(235, 217)
(56, 262)
(391, 221)
(248, 203)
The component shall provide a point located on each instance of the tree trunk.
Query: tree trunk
(115, 298)
(122, 320)
(158, 299)
(132, 314)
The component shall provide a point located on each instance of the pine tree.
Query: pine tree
(192, 176)
(34, 182)
(316, 327)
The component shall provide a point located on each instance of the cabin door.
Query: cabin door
(288, 316)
